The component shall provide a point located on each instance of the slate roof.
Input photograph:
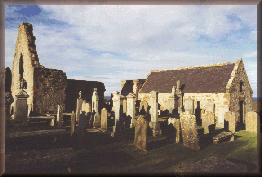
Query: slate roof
(203, 79)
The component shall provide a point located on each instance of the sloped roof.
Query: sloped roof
(203, 79)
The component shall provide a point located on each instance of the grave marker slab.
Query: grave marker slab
(208, 118)
(189, 105)
(73, 122)
(141, 126)
(104, 119)
(176, 124)
(252, 119)
(131, 108)
(231, 118)
(209, 106)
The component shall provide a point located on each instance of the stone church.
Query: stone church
(225, 85)
(47, 88)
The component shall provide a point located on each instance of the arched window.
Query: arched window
(21, 69)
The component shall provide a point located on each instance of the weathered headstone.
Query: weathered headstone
(82, 123)
(131, 108)
(209, 106)
(73, 122)
(231, 118)
(154, 124)
(189, 105)
(221, 119)
(95, 99)
(171, 104)
(114, 98)
(104, 119)
(60, 115)
(79, 102)
(208, 118)
(189, 131)
(176, 124)
(88, 107)
(21, 108)
(118, 113)
(83, 105)
(124, 106)
(140, 140)
(251, 121)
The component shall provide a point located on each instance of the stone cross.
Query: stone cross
(154, 124)
(131, 108)
(104, 119)
(140, 140)
(95, 99)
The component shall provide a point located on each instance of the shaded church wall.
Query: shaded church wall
(87, 89)
(49, 90)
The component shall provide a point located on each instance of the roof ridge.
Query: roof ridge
(191, 67)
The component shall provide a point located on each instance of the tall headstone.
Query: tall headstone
(189, 105)
(140, 140)
(104, 119)
(252, 121)
(189, 131)
(95, 99)
(135, 88)
(124, 106)
(83, 105)
(60, 116)
(87, 108)
(208, 118)
(231, 118)
(114, 98)
(154, 124)
(73, 122)
(118, 114)
(221, 119)
(131, 108)
(209, 106)
(82, 123)
(79, 102)
(171, 100)
(21, 108)
(176, 124)
(179, 98)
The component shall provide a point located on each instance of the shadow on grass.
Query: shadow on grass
(250, 167)
(157, 144)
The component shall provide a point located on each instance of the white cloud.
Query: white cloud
(250, 54)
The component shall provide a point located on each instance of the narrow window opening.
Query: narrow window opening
(241, 86)
(21, 69)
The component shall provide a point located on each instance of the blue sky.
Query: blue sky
(110, 44)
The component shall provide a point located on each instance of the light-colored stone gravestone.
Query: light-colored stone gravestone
(87, 108)
(221, 119)
(171, 100)
(83, 105)
(176, 124)
(209, 106)
(104, 119)
(114, 98)
(131, 108)
(140, 140)
(231, 118)
(189, 130)
(208, 118)
(95, 99)
(154, 124)
(124, 106)
(189, 105)
(252, 121)
(79, 102)
(21, 108)
(73, 122)
(60, 115)
(118, 111)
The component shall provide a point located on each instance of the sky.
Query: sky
(111, 44)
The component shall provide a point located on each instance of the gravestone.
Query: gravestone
(209, 106)
(21, 108)
(73, 122)
(87, 108)
(119, 122)
(140, 140)
(189, 105)
(221, 119)
(171, 104)
(95, 99)
(154, 124)
(82, 123)
(79, 102)
(124, 106)
(252, 119)
(60, 115)
(176, 124)
(104, 119)
(231, 118)
(208, 118)
(189, 131)
(114, 98)
(131, 108)
(83, 105)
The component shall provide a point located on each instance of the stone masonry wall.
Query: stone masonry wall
(240, 75)
(49, 90)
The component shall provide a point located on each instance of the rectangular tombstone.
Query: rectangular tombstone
(189, 131)
(140, 140)
(83, 105)
(21, 108)
(252, 119)
(231, 118)
(189, 105)
(208, 118)
(171, 104)
(209, 106)
(73, 123)
(124, 106)
(87, 108)
(60, 116)
(82, 123)
(221, 119)
(176, 124)
(79, 102)
(104, 119)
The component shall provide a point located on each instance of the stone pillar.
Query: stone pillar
(114, 99)
(78, 106)
(135, 88)
(154, 124)
(73, 122)
(131, 108)
(179, 98)
(124, 106)
(21, 108)
(60, 115)
(95, 99)
(104, 119)
(171, 100)
(118, 112)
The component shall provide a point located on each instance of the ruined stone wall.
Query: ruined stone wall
(126, 87)
(86, 88)
(25, 56)
(240, 75)
(49, 90)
